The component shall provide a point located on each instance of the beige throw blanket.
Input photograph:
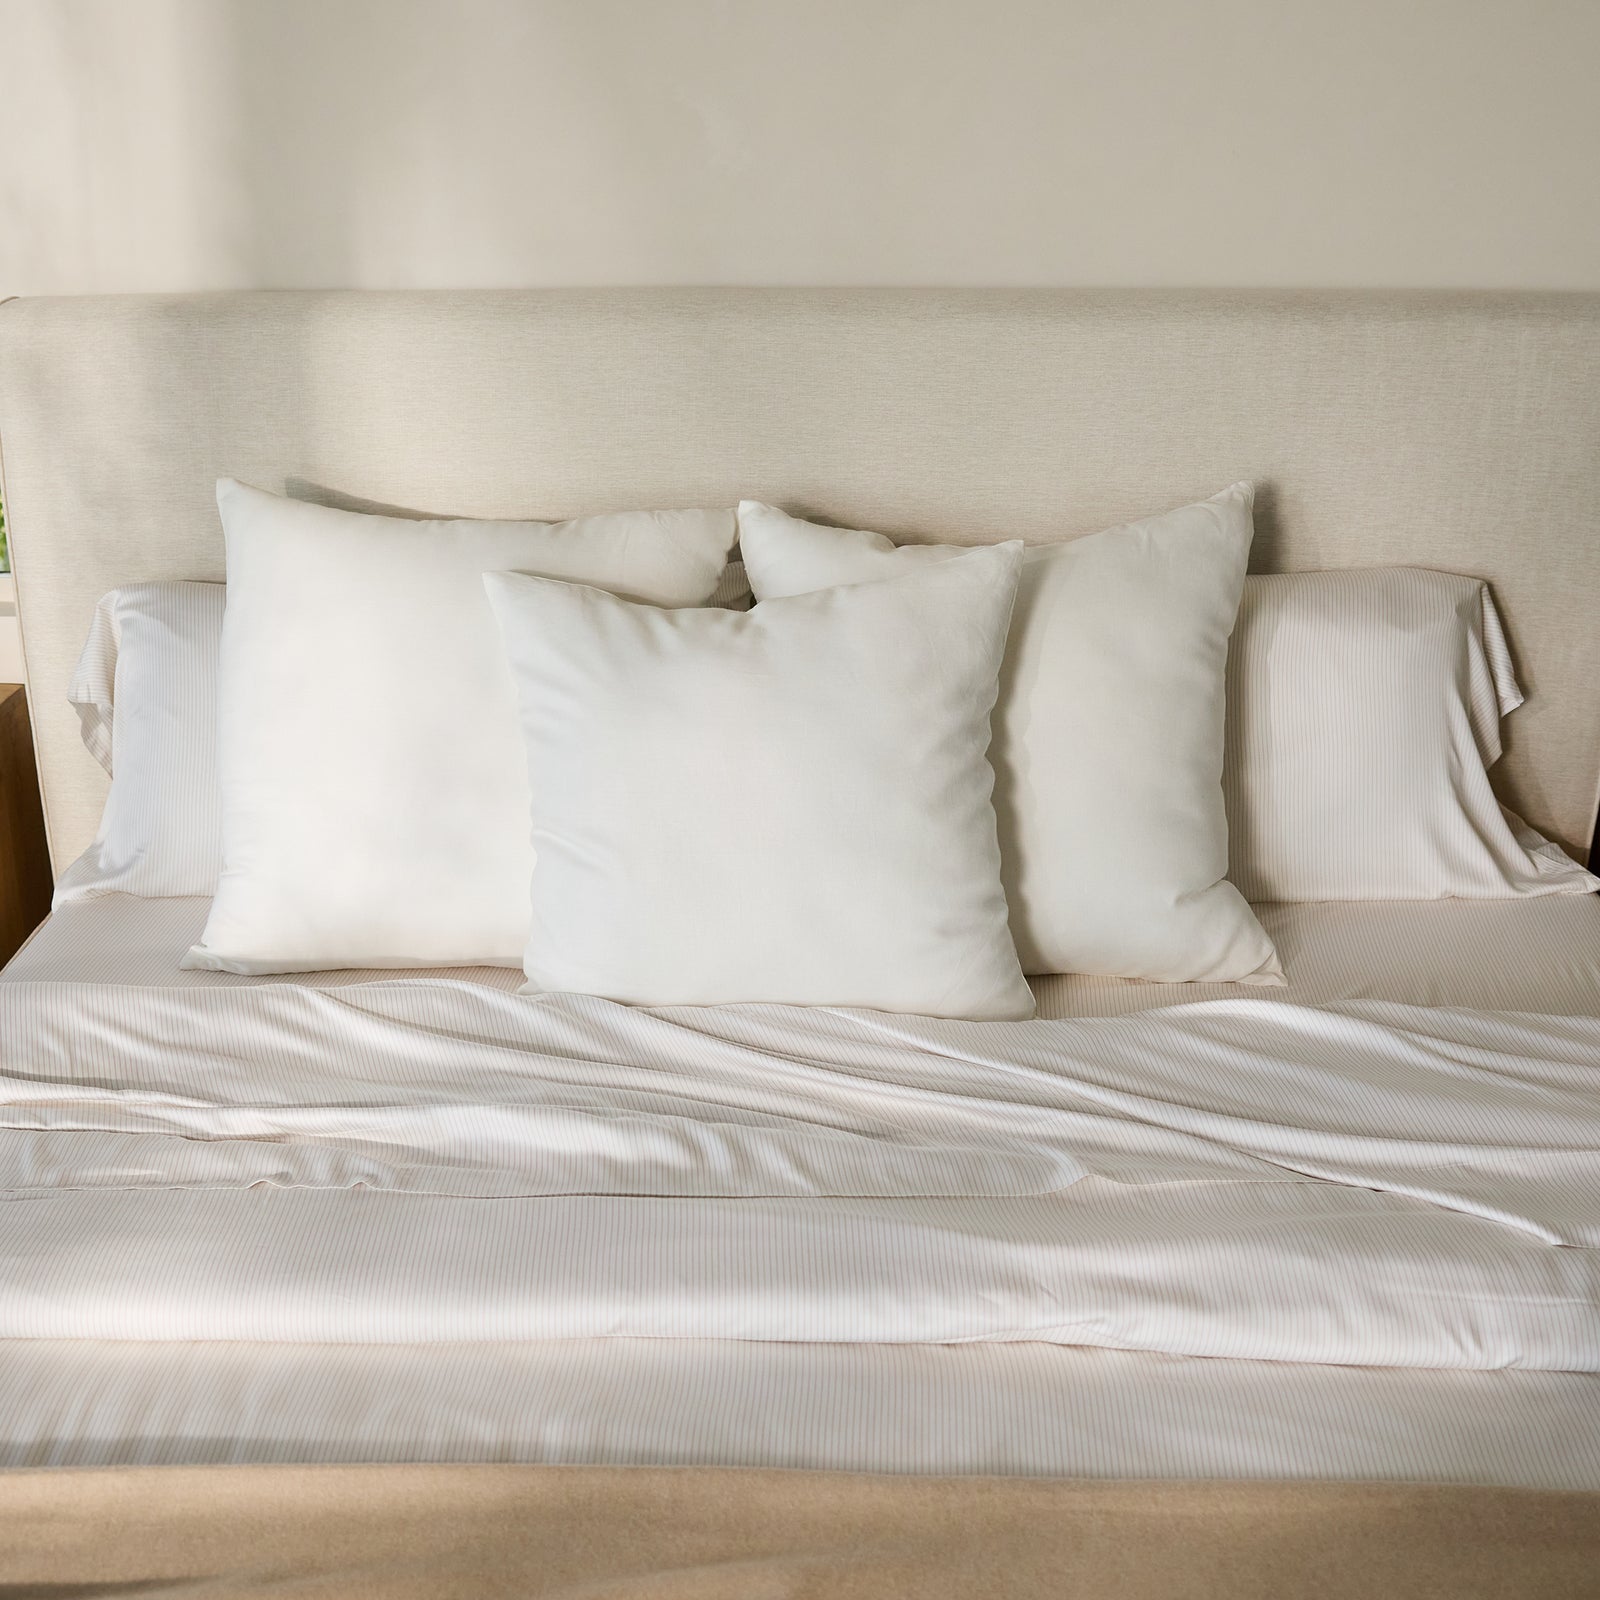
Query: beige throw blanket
(405, 1532)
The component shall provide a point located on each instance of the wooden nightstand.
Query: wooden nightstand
(25, 881)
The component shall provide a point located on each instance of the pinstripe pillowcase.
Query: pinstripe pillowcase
(145, 689)
(1364, 713)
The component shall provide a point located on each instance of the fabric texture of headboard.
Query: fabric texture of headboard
(1459, 431)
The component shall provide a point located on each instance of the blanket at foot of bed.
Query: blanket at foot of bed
(405, 1532)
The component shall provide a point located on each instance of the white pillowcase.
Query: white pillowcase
(1364, 714)
(840, 737)
(1108, 733)
(374, 792)
(145, 689)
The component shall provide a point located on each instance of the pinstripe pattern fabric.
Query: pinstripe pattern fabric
(1265, 1181)
(1003, 1406)
(1364, 713)
(152, 652)
(733, 593)
(1024, 1409)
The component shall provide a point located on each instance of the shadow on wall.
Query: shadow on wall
(397, 143)
(226, 144)
(213, 144)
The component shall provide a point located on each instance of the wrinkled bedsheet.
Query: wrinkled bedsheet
(424, 1159)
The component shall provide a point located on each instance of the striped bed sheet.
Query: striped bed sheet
(224, 1243)
(1027, 1410)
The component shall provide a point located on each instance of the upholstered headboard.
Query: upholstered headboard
(1444, 430)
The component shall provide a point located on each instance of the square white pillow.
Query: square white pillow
(374, 790)
(1364, 715)
(841, 737)
(1108, 733)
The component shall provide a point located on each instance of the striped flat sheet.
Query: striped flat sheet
(1024, 1409)
(134, 1393)
(425, 1160)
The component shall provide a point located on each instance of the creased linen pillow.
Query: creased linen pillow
(1364, 715)
(1108, 733)
(373, 787)
(842, 737)
(145, 690)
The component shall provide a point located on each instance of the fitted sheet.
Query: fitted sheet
(1021, 1407)
(1498, 955)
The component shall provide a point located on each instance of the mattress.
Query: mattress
(1032, 1402)
(1538, 955)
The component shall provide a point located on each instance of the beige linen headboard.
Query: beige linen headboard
(1443, 430)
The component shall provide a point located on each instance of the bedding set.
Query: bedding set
(527, 1002)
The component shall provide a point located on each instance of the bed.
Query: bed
(1281, 1425)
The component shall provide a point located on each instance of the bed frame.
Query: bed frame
(1459, 431)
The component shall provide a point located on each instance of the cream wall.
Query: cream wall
(169, 144)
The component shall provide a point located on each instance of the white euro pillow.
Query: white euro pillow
(374, 793)
(1364, 716)
(1108, 733)
(840, 737)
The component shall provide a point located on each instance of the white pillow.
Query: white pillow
(841, 737)
(1364, 714)
(1108, 734)
(374, 794)
(145, 689)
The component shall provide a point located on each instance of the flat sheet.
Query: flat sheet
(196, 1263)
(1033, 1410)
(401, 1533)
(1368, 1183)
(1506, 955)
